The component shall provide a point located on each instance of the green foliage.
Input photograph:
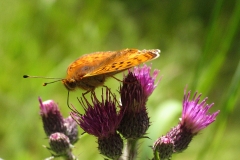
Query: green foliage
(199, 41)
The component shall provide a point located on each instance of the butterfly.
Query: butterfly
(91, 70)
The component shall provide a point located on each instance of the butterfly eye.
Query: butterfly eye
(70, 84)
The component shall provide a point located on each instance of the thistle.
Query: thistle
(101, 119)
(62, 133)
(195, 117)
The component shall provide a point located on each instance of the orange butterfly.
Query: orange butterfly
(91, 70)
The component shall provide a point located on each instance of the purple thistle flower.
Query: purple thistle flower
(146, 80)
(195, 117)
(138, 85)
(53, 121)
(101, 119)
(51, 117)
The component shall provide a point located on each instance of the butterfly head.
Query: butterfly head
(70, 84)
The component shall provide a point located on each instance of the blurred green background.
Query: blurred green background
(200, 47)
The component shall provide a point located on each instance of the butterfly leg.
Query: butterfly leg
(83, 94)
(117, 79)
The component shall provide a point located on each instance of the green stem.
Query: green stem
(131, 151)
(156, 157)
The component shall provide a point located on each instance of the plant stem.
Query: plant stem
(131, 149)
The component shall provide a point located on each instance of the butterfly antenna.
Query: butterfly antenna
(28, 76)
(44, 84)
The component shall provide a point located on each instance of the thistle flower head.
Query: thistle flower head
(132, 94)
(71, 129)
(59, 143)
(143, 74)
(195, 116)
(62, 133)
(164, 146)
(51, 117)
(111, 146)
(138, 85)
(101, 117)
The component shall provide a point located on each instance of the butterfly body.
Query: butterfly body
(91, 70)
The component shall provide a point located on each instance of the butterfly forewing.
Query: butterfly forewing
(126, 59)
(89, 63)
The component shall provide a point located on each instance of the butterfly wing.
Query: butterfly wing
(123, 60)
(89, 63)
